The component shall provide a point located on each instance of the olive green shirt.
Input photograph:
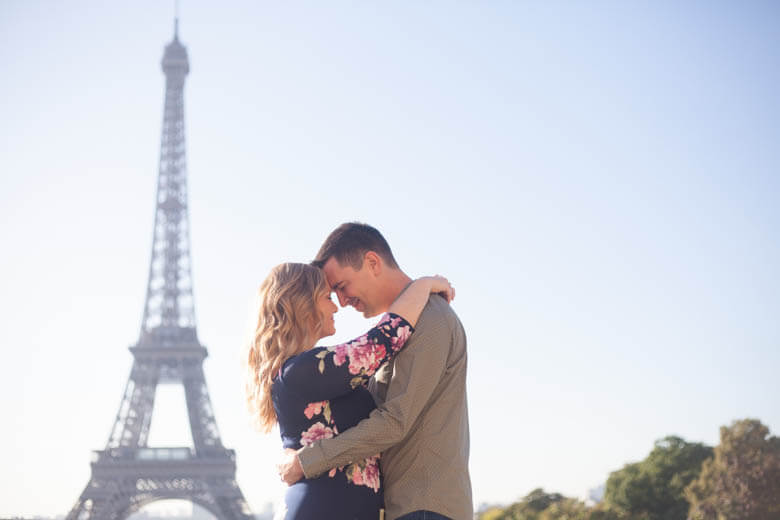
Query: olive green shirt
(421, 425)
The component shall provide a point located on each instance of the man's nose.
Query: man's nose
(342, 299)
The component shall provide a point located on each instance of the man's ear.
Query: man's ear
(374, 263)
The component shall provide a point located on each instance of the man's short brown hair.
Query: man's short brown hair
(350, 242)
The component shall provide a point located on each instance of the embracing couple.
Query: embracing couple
(375, 428)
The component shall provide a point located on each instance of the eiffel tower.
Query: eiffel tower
(128, 473)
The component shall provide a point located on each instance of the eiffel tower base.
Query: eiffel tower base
(124, 480)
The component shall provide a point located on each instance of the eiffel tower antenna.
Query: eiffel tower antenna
(128, 473)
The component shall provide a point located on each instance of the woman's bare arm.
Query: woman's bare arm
(412, 300)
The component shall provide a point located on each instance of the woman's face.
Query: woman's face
(327, 309)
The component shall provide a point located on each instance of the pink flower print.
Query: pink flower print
(384, 319)
(315, 432)
(365, 473)
(313, 409)
(357, 475)
(340, 354)
(394, 322)
(360, 342)
(371, 474)
(332, 472)
(401, 335)
(365, 357)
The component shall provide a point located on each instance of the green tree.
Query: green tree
(653, 489)
(494, 513)
(529, 508)
(538, 500)
(604, 511)
(742, 480)
(566, 509)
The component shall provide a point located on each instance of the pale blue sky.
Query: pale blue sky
(600, 182)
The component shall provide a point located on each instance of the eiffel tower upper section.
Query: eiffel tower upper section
(169, 312)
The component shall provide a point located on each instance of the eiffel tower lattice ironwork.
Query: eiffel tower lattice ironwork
(128, 473)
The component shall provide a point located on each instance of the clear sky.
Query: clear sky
(599, 180)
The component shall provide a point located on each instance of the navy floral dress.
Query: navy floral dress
(322, 392)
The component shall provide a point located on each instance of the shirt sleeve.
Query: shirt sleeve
(327, 372)
(415, 377)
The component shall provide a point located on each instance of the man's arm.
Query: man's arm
(416, 374)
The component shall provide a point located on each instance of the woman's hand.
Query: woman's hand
(289, 467)
(411, 302)
(440, 285)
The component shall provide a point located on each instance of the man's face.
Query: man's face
(354, 288)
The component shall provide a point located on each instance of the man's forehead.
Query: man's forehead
(334, 272)
(331, 269)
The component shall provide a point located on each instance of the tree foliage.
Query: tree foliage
(742, 480)
(653, 489)
(678, 480)
(536, 505)
(566, 509)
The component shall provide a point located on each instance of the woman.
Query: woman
(315, 393)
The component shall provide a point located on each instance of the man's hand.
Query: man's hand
(289, 467)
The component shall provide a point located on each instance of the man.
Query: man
(421, 423)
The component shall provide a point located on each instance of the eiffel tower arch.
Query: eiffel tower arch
(129, 474)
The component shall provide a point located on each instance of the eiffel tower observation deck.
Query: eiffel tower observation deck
(128, 473)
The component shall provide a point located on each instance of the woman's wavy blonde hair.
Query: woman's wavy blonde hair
(288, 322)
